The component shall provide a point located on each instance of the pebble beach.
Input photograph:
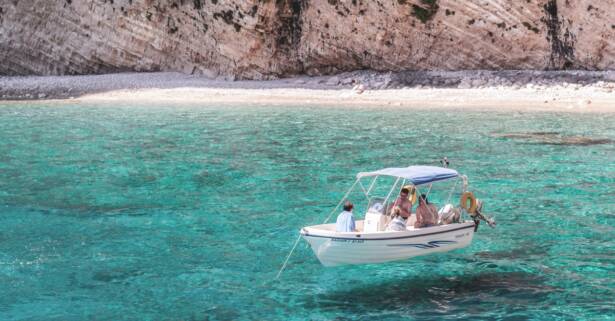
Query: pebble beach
(573, 91)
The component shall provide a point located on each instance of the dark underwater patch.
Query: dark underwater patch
(429, 292)
(116, 275)
(554, 138)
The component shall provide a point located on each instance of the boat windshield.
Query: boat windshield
(376, 205)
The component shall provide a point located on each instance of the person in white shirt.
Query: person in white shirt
(345, 221)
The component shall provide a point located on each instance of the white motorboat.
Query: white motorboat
(372, 243)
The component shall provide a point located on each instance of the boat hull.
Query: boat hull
(334, 248)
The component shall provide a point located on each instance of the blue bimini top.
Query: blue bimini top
(418, 175)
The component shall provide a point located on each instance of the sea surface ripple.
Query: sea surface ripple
(114, 212)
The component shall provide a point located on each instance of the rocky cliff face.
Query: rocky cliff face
(271, 38)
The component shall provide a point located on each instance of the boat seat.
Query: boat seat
(448, 214)
(411, 220)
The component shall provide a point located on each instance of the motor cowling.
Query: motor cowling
(477, 216)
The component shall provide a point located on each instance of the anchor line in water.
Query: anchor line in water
(288, 257)
(325, 221)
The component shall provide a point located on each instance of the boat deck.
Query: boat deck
(328, 230)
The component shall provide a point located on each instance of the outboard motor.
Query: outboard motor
(477, 216)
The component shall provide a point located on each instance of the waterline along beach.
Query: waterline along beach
(575, 91)
(307, 160)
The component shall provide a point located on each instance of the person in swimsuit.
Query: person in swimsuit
(404, 203)
(426, 213)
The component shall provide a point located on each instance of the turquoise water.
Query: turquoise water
(186, 213)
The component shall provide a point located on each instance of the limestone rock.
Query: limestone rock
(267, 39)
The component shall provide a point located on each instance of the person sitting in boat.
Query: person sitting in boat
(426, 213)
(404, 204)
(397, 223)
(345, 221)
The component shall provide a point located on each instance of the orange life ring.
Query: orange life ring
(464, 202)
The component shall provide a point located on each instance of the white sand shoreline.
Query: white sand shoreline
(506, 91)
(552, 99)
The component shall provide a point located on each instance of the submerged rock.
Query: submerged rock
(525, 135)
(554, 138)
(578, 140)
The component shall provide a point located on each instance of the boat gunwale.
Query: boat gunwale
(304, 233)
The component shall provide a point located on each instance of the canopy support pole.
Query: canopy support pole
(402, 186)
(369, 189)
(341, 201)
(450, 194)
(429, 190)
(363, 189)
(391, 191)
(464, 187)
